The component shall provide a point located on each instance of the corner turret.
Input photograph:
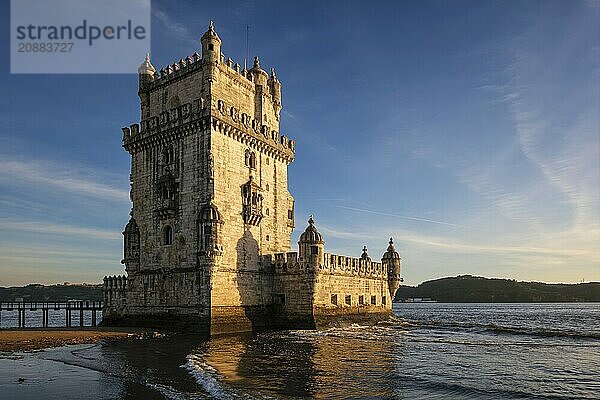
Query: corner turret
(259, 76)
(391, 261)
(211, 45)
(146, 72)
(275, 87)
(312, 245)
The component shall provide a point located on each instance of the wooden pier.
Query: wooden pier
(68, 306)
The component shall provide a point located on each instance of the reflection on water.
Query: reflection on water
(304, 364)
(433, 351)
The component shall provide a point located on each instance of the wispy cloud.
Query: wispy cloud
(419, 219)
(453, 245)
(179, 31)
(74, 179)
(57, 229)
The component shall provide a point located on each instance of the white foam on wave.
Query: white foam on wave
(209, 378)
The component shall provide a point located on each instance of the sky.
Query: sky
(469, 131)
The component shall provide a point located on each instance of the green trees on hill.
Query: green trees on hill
(52, 293)
(459, 289)
(473, 289)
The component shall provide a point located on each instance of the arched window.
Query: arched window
(206, 236)
(250, 159)
(167, 235)
(168, 155)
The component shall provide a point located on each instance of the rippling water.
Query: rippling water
(430, 350)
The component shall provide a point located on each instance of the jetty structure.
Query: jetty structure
(208, 245)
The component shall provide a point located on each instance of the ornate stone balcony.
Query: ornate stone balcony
(166, 208)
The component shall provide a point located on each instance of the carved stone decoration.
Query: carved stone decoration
(252, 203)
(166, 205)
(221, 106)
(164, 118)
(173, 114)
(131, 243)
(135, 129)
(185, 111)
(246, 120)
(209, 225)
(234, 114)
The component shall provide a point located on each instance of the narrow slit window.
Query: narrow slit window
(334, 300)
(167, 235)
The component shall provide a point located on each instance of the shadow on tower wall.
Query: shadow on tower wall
(252, 285)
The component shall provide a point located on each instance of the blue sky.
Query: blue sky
(468, 131)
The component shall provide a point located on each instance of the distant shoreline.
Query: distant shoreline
(29, 339)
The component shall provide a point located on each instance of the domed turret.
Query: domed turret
(275, 86)
(210, 213)
(146, 68)
(209, 225)
(259, 75)
(391, 262)
(131, 246)
(311, 234)
(146, 72)
(312, 245)
(391, 252)
(211, 44)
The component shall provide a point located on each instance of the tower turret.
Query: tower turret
(391, 261)
(275, 87)
(146, 70)
(131, 246)
(259, 75)
(312, 245)
(211, 45)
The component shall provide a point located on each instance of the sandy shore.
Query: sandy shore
(33, 339)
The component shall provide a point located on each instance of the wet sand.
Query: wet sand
(35, 339)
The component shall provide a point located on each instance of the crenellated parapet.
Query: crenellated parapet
(334, 264)
(184, 119)
(114, 290)
(282, 263)
(344, 265)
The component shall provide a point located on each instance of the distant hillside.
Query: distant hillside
(473, 289)
(460, 289)
(52, 293)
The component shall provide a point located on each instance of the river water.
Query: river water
(429, 350)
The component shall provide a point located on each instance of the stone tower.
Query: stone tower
(208, 242)
(208, 186)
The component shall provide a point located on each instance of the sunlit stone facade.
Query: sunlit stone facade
(208, 242)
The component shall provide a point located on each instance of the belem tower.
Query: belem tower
(208, 244)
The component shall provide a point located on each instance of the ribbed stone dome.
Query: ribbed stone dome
(311, 234)
(210, 212)
(131, 226)
(391, 252)
(146, 68)
(210, 33)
